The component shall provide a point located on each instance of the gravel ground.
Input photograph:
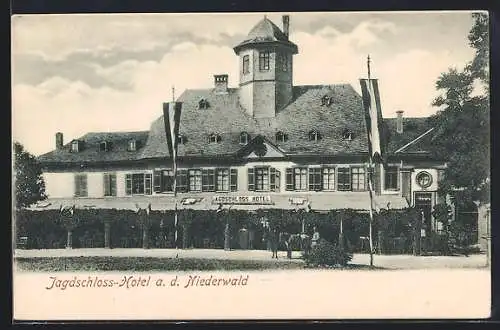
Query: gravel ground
(384, 261)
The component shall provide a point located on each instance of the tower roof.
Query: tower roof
(266, 32)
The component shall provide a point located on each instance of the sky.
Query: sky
(111, 72)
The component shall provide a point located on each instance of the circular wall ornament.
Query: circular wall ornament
(424, 179)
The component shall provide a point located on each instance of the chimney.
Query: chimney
(399, 122)
(286, 25)
(59, 140)
(221, 81)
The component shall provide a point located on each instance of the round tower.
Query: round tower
(266, 68)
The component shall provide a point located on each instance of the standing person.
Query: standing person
(274, 236)
(315, 238)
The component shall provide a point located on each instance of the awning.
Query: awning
(322, 201)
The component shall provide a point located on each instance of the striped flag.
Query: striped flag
(373, 114)
(171, 118)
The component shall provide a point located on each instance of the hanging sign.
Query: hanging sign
(259, 200)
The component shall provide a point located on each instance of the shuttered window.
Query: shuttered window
(138, 184)
(263, 179)
(234, 179)
(315, 183)
(222, 179)
(109, 184)
(344, 179)
(300, 178)
(328, 178)
(391, 181)
(208, 180)
(163, 181)
(195, 181)
(81, 185)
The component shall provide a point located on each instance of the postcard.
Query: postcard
(238, 166)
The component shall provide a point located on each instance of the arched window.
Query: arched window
(281, 137)
(214, 138)
(347, 135)
(203, 104)
(103, 146)
(244, 137)
(326, 100)
(314, 135)
(132, 145)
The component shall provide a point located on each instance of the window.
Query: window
(328, 178)
(358, 178)
(344, 179)
(264, 61)
(195, 180)
(315, 183)
(75, 146)
(81, 185)
(132, 145)
(244, 138)
(109, 184)
(326, 100)
(138, 184)
(300, 178)
(103, 146)
(214, 138)
(203, 104)
(283, 62)
(263, 179)
(347, 135)
(391, 178)
(246, 64)
(222, 176)
(314, 135)
(163, 181)
(181, 139)
(281, 137)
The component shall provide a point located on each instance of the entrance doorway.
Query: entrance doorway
(423, 203)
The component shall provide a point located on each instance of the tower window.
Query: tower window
(244, 138)
(314, 135)
(264, 61)
(214, 138)
(281, 137)
(203, 104)
(246, 64)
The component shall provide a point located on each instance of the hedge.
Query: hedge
(205, 228)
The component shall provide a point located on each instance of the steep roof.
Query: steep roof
(228, 119)
(264, 32)
(413, 128)
(117, 144)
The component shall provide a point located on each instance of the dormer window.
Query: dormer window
(244, 137)
(281, 137)
(132, 145)
(181, 139)
(326, 101)
(214, 138)
(347, 135)
(203, 104)
(103, 146)
(314, 135)
(75, 146)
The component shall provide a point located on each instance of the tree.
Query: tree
(462, 123)
(29, 183)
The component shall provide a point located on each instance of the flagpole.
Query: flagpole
(174, 161)
(370, 184)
